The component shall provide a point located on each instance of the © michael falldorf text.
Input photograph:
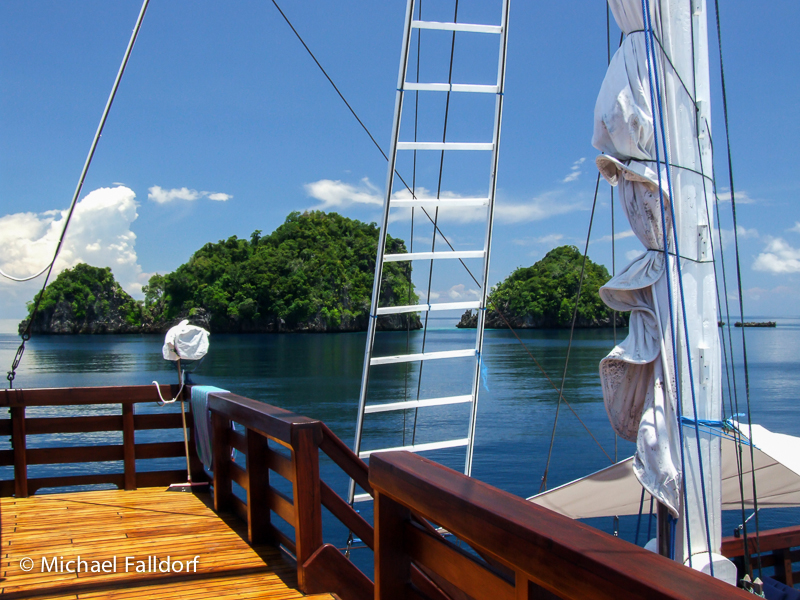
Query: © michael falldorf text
(126, 564)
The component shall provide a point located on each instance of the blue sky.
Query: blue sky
(224, 125)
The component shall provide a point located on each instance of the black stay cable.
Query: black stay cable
(371, 137)
(739, 282)
(543, 485)
(26, 334)
(437, 230)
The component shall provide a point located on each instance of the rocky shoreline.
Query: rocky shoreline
(469, 320)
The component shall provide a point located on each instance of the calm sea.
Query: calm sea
(318, 375)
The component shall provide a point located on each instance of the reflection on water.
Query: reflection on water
(319, 375)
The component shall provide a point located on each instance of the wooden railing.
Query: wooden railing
(321, 567)
(549, 555)
(21, 425)
(520, 550)
(778, 548)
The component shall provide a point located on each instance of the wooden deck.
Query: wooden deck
(98, 526)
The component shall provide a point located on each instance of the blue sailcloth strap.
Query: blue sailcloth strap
(721, 429)
(202, 422)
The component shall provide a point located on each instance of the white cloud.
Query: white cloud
(544, 206)
(424, 294)
(546, 240)
(726, 235)
(796, 228)
(615, 237)
(742, 197)
(218, 196)
(461, 292)
(633, 254)
(337, 194)
(99, 234)
(778, 258)
(575, 171)
(162, 196)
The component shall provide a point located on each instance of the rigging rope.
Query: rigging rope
(543, 485)
(730, 368)
(433, 221)
(26, 335)
(738, 272)
(650, 69)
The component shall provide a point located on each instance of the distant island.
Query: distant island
(314, 273)
(542, 296)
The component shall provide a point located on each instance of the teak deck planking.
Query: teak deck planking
(102, 524)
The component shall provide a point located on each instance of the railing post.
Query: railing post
(392, 562)
(783, 566)
(19, 443)
(258, 515)
(129, 446)
(222, 462)
(306, 492)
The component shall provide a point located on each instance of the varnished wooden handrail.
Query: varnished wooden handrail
(270, 421)
(129, 394)
(778, 548)
(20, 426)
(318, 564)
(320, 567)
(545, 550)
(773, 539)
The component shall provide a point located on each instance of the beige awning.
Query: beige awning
(615, 491)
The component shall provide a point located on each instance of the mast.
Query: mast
(666, 377)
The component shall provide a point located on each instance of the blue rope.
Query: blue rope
(639, 520)
(672, 523)
(683, 297)
(650, 69)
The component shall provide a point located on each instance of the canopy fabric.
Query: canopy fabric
(640, 381)
(184, 341)
(615, 491)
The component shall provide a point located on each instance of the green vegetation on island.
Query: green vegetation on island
(313, 273)
(543, 296)
(85, 299)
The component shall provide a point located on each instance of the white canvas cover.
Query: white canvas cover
(640, 378)
(615, 491)
(184, 341)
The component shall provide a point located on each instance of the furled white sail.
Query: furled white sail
(642, 380)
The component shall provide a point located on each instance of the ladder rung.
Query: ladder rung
(362, 498)
(433, 255)
(404, 358)
(457, 27)
(396, 310)
(438, 202)
(445, 146)
(409, 86)
(418, 447)
(417, 404)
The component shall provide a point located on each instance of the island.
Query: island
(542, 296)
(314, 273)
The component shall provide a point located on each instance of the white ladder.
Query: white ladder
(390, 203)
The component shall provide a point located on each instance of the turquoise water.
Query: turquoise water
(319, 375)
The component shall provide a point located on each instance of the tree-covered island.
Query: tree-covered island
(542, 296)
(313, 273)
